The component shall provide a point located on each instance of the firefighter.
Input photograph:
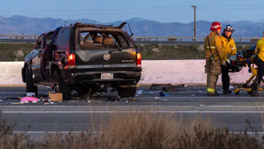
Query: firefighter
(214, 57)
(259, 61)
(229, 48)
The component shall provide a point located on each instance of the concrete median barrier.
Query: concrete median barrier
(189, 72)
(10, 73)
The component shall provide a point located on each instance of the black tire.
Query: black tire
(249, 92)
(237, 93)
(30, 87)
(60, 86)
(126, 92)
(82, 89)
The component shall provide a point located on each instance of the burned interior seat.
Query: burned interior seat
(96, 43)
(87, 39)
(98, 39)
(108, 42)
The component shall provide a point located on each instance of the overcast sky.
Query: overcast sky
(158, 10)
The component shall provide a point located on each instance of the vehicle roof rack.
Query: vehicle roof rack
(78, 24)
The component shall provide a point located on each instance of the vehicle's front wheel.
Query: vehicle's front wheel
(30, 87)
(60, 86)
(126, 92)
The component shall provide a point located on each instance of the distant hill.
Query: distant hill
(140, 27)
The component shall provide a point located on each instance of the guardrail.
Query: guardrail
(18, 36)
(187, 38)
(140, 39)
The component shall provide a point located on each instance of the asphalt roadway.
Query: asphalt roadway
(82, 113)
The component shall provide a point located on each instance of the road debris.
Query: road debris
(113, 98)
(55, 96)
(139, 92)
(30, 94)
(151, 92)
(166, 87)
(163, 94)
(164, 99)
(156, 98)
(29, 99)
(17, 103)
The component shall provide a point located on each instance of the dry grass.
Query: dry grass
(139, 131)
(9, 140)
(9, 50)
(143, 131)
(174, 52)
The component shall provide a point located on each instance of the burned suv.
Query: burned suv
(85, 58)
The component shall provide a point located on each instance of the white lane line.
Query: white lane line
(113, 112)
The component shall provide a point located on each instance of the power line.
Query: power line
(95, 13)
(139, 8)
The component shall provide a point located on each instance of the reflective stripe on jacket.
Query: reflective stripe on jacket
(216, 47)
(229, 47)
(260, 47)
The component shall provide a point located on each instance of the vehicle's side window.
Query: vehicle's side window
(39, 42)
(123, 43)
(48, 40)
(118, 40)
(63, 38)
(86, 37)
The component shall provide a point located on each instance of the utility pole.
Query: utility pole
(194, 21)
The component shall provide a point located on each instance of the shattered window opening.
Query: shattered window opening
(102, 40)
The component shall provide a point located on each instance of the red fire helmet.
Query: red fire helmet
(215, 26)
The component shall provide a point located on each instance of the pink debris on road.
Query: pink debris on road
(29, 99)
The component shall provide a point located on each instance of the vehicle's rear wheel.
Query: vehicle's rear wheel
(60, 86)
(82, 89)
(30, 87)
(126, 92)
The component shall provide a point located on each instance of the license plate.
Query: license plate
(107, 76)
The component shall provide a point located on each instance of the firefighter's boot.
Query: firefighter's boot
(211, 85)
(254, 89)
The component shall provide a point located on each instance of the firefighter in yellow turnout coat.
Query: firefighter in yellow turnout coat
(229, 48)
(214, 57)
(259, 61)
